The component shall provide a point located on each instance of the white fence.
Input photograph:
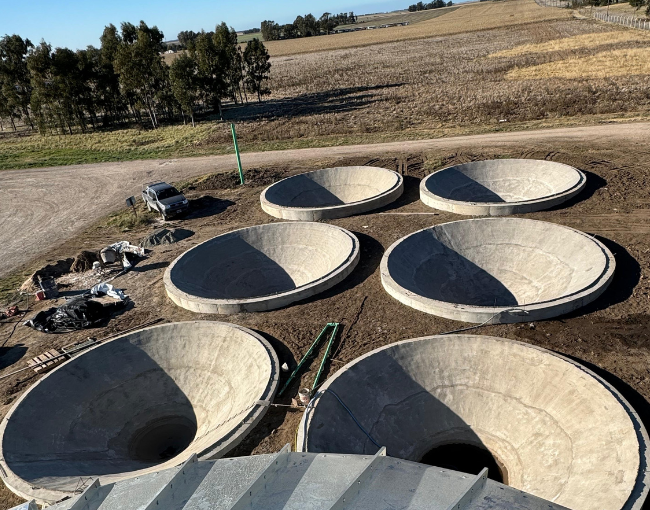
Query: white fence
(628, 21)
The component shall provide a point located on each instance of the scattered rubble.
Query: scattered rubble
(165, 236)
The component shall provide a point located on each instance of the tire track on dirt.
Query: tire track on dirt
(40, 208)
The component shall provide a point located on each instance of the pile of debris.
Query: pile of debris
(165, 236)
(58, 268)
(80, 312)
(42, 281)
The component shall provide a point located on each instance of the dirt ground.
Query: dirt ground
(41, 208)
(610, 335)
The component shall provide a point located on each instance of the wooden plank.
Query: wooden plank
(46, 361)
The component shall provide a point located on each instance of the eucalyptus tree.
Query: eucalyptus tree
(14, 77)
(185, 84)
(142, 72)
(256, 60)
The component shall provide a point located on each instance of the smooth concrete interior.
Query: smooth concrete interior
(262, 267)
(559, 431)
(500, 187)
(332, 193)
(497, 269)
(142, 402)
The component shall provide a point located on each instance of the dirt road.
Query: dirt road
(40, 208)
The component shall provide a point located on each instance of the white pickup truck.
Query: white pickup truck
(164, 198)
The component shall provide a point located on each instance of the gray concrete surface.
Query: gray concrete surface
(332, 193)
(557, 430)
(52, 204)
(497, 270)
(137, 404)
(500, 187)
(262, 267)
(307, 481)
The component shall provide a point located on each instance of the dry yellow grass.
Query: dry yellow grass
(602, 65)
(576, 43)
(468, 18)
(624, 9)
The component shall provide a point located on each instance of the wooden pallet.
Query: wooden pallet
(46, 361)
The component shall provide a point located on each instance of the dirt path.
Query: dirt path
(40, 208)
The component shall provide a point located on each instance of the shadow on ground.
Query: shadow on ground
(205, 206)
(275, 416)
(10, 355)
(626, 278)
(594, 183)
(369, 260)
(150, 267)
(411, 194)
(339, 100)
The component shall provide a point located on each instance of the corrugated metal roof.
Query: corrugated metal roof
(305, 481)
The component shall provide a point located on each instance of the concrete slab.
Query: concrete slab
(557, 430)
(137, 404)
(500, 187)
(261, 268)
(497, 270)
(332, 193)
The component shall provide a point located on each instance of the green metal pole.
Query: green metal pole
(326, 355)
(234, 139)
(304, 358)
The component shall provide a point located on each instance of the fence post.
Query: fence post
(234, 139)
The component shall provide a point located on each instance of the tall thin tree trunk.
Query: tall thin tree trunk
(152, 108)
(153, 122)
(192, 114)
(13, 124)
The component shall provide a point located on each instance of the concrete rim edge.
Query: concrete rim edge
(335, 211)
(499, 315)
(642, 484)
(434, 201)
(48, 496)
(262, 303)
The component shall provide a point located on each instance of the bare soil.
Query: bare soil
(610, 335)
(41, 208)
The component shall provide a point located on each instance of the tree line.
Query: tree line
(436, 4)
(305, 26)
(126, 79)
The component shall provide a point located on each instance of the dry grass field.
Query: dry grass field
(412, 89)
(549, 73)
(624, 9)
(603, 65)
(577, 42)
(471, 17)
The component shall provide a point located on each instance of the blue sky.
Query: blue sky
(79, 23)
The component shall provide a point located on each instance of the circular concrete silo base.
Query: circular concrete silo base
(558, 430)
(137, 404)
(497, 270)
(332, 193)
(501, 187)
(261, 268)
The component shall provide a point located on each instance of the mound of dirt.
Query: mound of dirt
(230, 180)
(84, 261)
(58, 268)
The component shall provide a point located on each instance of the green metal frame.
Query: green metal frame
(335, 326)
